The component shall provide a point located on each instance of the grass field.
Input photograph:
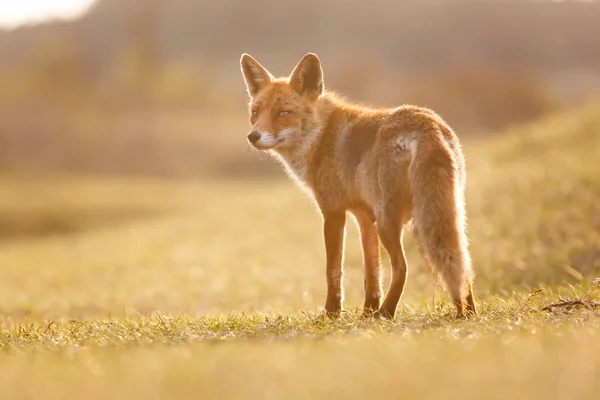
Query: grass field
(146, 289)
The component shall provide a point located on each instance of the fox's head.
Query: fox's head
(282, 110)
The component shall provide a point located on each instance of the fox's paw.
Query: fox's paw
(466, 315)
(369, 312)
(383, 313)
(333, 308)
(371, 305)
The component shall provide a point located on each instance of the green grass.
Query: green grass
(163, 289)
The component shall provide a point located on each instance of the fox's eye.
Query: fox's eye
(283, 113)
(254, 113)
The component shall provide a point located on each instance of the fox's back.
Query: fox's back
(364, 154)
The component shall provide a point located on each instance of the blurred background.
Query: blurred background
(153, 87)
(115, 110)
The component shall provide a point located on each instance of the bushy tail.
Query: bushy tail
(437, 180)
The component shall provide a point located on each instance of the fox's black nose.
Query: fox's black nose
(253, 137)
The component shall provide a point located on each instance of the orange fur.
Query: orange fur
(388, 167)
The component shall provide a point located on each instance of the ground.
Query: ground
(140, 288)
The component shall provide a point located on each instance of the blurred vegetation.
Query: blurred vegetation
(160, 92)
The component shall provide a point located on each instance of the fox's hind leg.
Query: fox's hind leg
(371, 260)
(390, 228)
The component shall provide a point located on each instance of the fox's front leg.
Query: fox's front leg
(334, 226)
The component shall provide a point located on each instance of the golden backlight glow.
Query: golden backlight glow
(15, 13)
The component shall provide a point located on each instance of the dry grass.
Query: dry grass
(514, 350)
(218, 293)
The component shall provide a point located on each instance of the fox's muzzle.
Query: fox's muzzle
(253, 137)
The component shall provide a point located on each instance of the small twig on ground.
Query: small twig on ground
(570, 304)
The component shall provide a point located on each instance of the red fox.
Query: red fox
(389, 168)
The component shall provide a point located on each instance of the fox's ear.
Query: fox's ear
(307, 77)
(255, 75)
